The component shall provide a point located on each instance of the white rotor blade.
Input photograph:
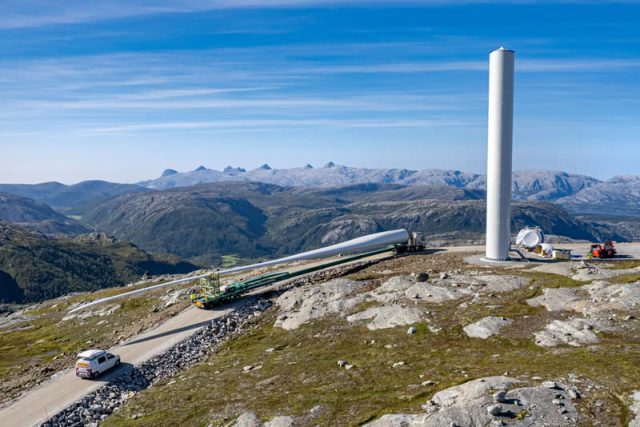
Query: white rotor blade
(363, 243)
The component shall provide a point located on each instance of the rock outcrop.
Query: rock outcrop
(574, 332)
(493, 401)
(342, 296)
(301, 305)
(389, 316)
(591, 300)
(487, 327)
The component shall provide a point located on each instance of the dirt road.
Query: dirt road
(65, 388)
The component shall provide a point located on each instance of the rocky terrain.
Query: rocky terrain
(98, 405)
(41, 339)
(422, 340)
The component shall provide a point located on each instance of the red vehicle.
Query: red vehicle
(603, 250)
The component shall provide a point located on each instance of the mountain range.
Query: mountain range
(575, 192)
(70, 199)
(38, 216)
(256, 220)
(578, 193)
(55, 237)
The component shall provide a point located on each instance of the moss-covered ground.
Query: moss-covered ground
(295, 371)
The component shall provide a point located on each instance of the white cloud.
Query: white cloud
(281, 123)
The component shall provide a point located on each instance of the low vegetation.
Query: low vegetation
(34, 267)
(273, 372)
(41, 341)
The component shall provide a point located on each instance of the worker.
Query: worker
(192, 295)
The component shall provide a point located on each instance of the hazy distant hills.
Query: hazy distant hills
(579, 193)
(70, 199)
(37, 216)
(34, 267)
(621, 193)
(254, 220)
(531, 185)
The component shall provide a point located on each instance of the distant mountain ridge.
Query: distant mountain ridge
(71, 199)
(37, 216)
(578, 193)
(529, 185)
(620, 192)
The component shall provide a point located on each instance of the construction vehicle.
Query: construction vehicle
(602, 250)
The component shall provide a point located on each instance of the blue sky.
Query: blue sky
(121, 90)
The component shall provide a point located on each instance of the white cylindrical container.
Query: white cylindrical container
(500, 139)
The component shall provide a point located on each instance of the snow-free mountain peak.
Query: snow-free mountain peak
(168, 172)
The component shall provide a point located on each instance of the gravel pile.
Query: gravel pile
(98, 405)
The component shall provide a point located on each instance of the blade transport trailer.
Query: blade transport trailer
(209, 288)
(210, 292)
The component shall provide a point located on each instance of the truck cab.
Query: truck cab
(92, 363)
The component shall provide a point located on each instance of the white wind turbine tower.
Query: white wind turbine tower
(499, 158)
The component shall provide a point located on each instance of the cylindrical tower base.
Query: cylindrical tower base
(500, 139)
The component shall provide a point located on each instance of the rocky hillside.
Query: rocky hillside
(70, 199)
(620, 194)
(34, 267)
(253, 220)
(37, 215)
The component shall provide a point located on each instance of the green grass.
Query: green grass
(626, 278)
(38, 347)
(229, 261)
(303, 373)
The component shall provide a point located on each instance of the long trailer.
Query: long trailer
(210, 293)
(210, 289)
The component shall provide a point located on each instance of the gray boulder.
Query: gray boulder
(575, 332)
(487, 327)
(248, 419)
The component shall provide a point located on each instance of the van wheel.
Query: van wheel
(95, 374)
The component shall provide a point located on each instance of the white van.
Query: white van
(92, 363)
